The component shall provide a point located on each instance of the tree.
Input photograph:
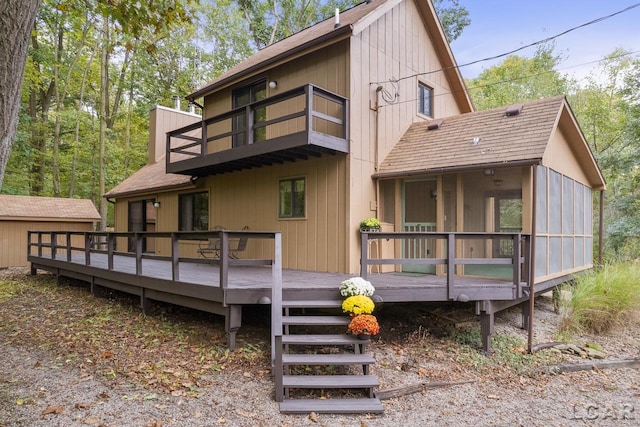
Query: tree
(519, 79)
(16, 21)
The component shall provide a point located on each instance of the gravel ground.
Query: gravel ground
(39, 388)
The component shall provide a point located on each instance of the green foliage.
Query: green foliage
(519, 79)
(603, 300)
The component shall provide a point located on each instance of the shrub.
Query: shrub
(603, 300)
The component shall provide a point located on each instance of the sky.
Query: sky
(499, 26)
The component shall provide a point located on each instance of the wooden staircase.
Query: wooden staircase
(318, 367)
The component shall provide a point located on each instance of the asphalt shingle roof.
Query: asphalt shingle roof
(149, 178)
(501, 139)
(47, 207)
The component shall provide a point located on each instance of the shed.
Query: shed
(19, 214)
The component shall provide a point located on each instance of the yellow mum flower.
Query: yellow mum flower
(358, 304)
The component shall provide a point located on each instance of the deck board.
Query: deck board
(247, 284)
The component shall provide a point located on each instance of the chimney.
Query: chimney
(176, 102)
(337, 24)
(192, 108)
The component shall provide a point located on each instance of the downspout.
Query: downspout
(600, 228)
(532, 258)
(376, 143)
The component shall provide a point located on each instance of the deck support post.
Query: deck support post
(486, 328)
(526, 314)
(145, 304)
(33, 270)
(232, 322)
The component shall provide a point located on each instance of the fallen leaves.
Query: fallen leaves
(52, 410)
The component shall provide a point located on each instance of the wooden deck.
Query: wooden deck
(224, 285)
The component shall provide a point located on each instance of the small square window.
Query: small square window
(291, 198)
(425, 100)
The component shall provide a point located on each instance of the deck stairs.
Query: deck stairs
(318, 367)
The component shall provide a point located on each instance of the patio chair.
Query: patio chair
(211, 249)
(242, 245)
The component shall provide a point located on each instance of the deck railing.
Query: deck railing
(62, 245)
(306, 114)
(446, 256)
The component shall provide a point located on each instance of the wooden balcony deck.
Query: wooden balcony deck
(296, 124)
(224, 285)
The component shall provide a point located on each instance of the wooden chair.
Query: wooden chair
(242, 245)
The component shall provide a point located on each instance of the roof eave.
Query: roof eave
(338, 34)
(146, 191)
(454, 169)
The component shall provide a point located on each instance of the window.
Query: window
(242, 97)
(291, 198)
(194, 212)
(425, 100)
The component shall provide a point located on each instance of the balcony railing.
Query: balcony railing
(302, 122)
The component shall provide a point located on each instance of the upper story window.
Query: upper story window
(193, 212)
(425, 100)
(243, 96)
(291, 198)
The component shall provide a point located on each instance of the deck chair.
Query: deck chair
(211, 249)
(242, 245)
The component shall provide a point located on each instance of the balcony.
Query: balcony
(304, 122)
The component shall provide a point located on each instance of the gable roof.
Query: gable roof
(51, 208)
(151, 177)
(487, 138)
(352, 21)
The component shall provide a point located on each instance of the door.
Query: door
(242, 97)
(508, 219)
(138, 222)
(419, 200)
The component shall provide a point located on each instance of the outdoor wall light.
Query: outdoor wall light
(156, 204)
(273, 84)
(489, 172)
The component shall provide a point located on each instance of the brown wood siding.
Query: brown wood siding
(13, 238)
(395, 46)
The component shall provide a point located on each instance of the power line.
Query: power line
(548, 39)
(528, 76)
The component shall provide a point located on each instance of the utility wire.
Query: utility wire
(548, 39)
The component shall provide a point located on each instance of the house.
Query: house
(19, 214)
(367, 115)
(363, 115)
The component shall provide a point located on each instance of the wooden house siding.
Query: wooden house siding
(396, 45)
(13, 237)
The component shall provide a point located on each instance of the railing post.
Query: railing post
(138, 238)
(250, 121)
(69, 237)
(345, 119)
(276, 305)
(527, 261)
(110, 249)
(364, 254)
(203, 146)
(224, 259)
(54, 244)
(87, 248)
(451, 264)
(175, 259)
(308, 90)
(39, 244)
(517, 277)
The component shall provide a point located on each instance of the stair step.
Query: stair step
(315, 320)
(328, 359)
(332, 406)
(312, 304)
(330, 381)
(326, 339)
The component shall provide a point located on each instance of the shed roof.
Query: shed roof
(47, 208)
(151, 177)
(487, 138)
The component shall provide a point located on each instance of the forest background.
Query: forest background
(95, 68)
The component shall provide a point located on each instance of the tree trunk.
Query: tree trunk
(104, 101)
(16, 21)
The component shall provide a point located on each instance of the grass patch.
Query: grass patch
(602, 300)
